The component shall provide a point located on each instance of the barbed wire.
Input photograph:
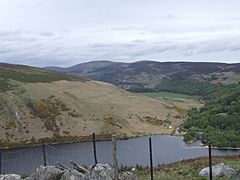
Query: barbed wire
(22, 160)
(3, 152)
(134, 149)
(68, 151)
(21, 155)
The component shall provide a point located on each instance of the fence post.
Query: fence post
(114, 153)
(94, 148)
(210, 161)
(151, 160)
(0, 162)
(44, 154)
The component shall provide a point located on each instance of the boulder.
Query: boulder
(218, 170)
(235, 176)
(10, 177)
(96, 172)
(46, 173)
(72, 174)
(100, 172)
(128, 176)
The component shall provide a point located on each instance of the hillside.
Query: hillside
(36, 104)
(83, 68)
(159, 76)
(218, 122)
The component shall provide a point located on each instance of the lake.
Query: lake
(166, 149)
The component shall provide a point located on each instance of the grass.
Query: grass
(169, 95)
(187, 169)
(56, 139)
(13, 75)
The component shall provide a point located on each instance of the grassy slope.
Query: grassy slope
(14, 75)
(38, 104)
(188, 169)
(169, 95)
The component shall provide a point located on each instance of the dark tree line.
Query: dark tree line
(184, 85)
(218, 122)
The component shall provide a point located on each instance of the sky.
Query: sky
(67, 32)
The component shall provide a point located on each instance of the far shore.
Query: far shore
(105, 137)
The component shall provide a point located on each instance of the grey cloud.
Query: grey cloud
(3, 51)
(68, 32)
(46, 33)
(40, 53)
(163, 50)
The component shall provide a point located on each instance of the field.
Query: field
(181, 102)
(188, 169)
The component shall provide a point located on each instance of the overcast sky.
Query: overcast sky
(67, 32)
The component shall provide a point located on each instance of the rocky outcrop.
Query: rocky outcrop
(128, 176)
(96, 172)
(46, 173)
(235, 176)
(10, 177)
(100, 171)
(218, 170)
(72, 174)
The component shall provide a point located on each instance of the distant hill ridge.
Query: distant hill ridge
(146, 75)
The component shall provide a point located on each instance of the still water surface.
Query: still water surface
(166, 149)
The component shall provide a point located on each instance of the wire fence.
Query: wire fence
(130, 153)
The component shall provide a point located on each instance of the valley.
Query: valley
(183, 85)
(40, 105)
(192, 78)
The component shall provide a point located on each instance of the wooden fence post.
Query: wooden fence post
(151, 160)
(0, 162)
(210, 161)
(114, 153)
(94, 148)
(44, 154)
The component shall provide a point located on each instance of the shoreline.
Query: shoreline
(223, 148)
(99, 138)
(216, 147)
(79, 139)
(74, 139)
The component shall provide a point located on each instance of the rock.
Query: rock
(79, 168)
(129, 176)
(235, 176)
(96, 172)
(218, 170)
(10, 177)
(72, 174)
(100, 172)
(46, 173)
(28, 178)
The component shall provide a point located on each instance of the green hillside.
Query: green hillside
(219, 120)
(193, 78)
(14, 75)
(186, 85)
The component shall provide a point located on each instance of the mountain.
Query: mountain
(83, 68)
(153, 76)
(37, 104)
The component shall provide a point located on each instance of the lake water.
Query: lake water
(166, 149)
